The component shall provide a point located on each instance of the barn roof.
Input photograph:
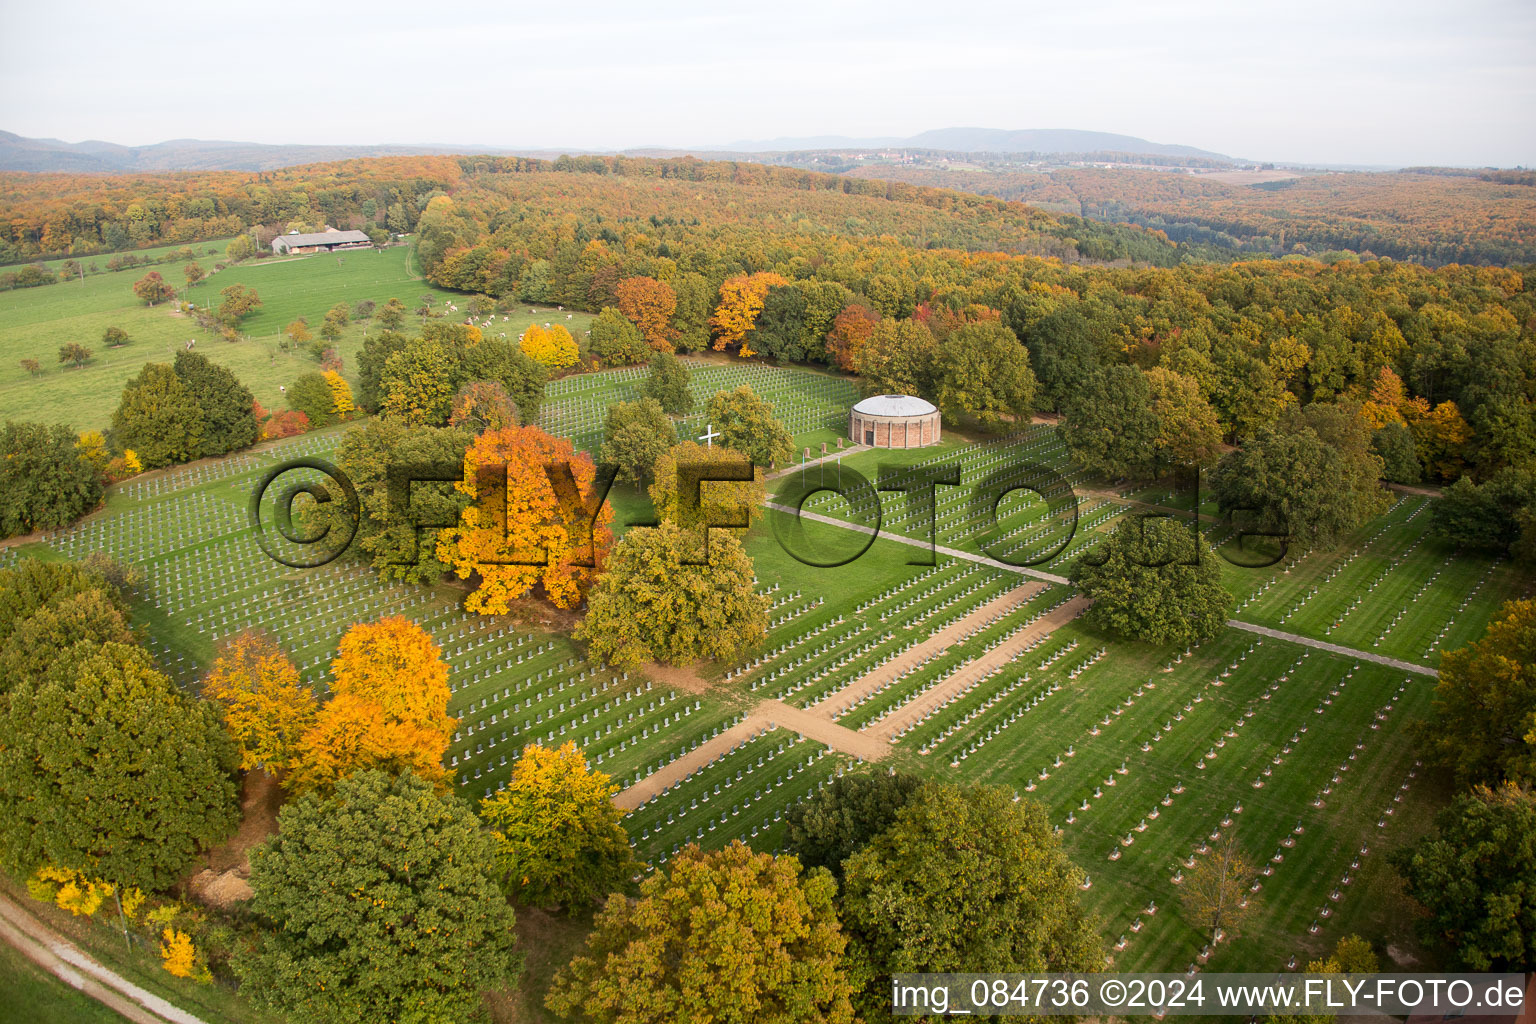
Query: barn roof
(322, 238)
(894, 405)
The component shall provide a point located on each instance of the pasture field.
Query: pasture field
(959, 669)
(35, 322)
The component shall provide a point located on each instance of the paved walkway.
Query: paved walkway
(968, 556)
(48, 950)
(943, 640)
(893, 724)
(874, 743)
(829, 457)
(1323, 645)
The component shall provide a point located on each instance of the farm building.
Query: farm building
(894, 421)
(328, 240)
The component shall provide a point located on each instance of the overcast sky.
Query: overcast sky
(1336, 81)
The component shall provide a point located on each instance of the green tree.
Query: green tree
(228, 407)
(242, 247)
(74, 352)
(614, 341)
(690, 318)
(1473, 876)
(238, 301)
(1064, 350)
(965, 879)
(376, 350)
(521, 377)
(311, 395)
(1152, 581)
(746, 424)
(419, 382)
(34, 643)
(778, 331)
(899, 358)
(635, 436)
(158, 418)
(1110, 425)
(981, 372)
(731, 936)
(392, 315)
(839, 820)
(106, 768)
(1394, 445)
(1482, 722)
(654, 603)
(559, 838)
(1487, 515)
(44, 481)
(1288, 483)
(1342, 427)
(386, 528)
(380, 906)
(114, 337)
(719, 501)
(667, 383)
(1187, 431)
(335, 323)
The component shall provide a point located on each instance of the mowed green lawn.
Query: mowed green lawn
(34, 322)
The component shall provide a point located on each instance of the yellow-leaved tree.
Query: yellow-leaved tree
(388, 708)
(341, 393)
(741, 299)
(550, 346)
(559, 841)
(525, 521)
(267, 710)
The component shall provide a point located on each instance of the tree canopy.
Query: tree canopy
(731, 936)
(659, 600)
(964, 879)
(1473, 876)
(379, 905)
(106, 768)
(45, 483)
(1151, 581)
(635, 436)
(1482, 723)
(559, 838)
(839, 820)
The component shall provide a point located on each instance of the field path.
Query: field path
(872, 744)
(48, 949)
(995, 658)
(941, 641)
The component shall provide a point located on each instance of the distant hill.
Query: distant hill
(987, 140)
(18, 153)
(22, 154)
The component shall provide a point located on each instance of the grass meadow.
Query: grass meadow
(35, 322)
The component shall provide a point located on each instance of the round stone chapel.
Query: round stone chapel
(894, 421)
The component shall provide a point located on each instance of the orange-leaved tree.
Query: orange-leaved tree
(851, 331)
(388, 708)
(267, 710)
(741, 299)
(649, 304)
(525, 520)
